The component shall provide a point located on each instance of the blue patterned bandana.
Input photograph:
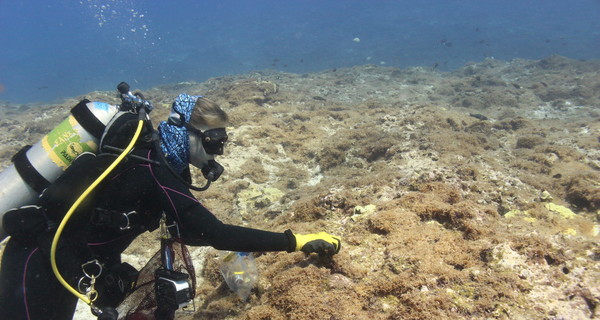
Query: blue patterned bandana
(175, 143)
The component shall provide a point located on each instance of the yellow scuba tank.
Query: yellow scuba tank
(35, 167)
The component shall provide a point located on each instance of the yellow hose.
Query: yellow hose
(76, 204)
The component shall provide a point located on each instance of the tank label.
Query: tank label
(64, 143)
(102, 106)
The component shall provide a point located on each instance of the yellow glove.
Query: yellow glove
(322, 243)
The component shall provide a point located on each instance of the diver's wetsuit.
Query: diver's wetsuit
(29, 289)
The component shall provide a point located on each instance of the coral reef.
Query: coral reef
(465, 195)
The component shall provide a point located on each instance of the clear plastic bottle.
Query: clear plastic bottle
(239, 271)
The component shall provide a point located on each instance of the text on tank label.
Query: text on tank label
(63, 144)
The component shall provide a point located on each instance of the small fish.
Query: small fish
(446, 42)
(478, 116)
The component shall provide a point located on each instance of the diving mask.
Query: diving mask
(213, 140)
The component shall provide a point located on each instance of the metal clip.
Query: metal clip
(92, 262)
(127, 224)
(92, 294)
(165, 230)
(164, 233)
(188, 309)
(83, 285)
(176, 229)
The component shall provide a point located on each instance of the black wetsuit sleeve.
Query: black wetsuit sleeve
(199, 227)
(208, 230)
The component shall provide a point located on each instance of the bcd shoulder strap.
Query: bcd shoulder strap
(121, 129)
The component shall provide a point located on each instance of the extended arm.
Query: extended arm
(208, 230)
(201, 227)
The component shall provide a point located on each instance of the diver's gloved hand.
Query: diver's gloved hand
(322, 243)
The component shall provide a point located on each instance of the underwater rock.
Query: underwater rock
(529, 142)
(504, 256)
(564, 212)
(256, 197)
(363, 212)
(546, 197)
(250, 90)
(583, 191)
(522, 213)
(339, 281)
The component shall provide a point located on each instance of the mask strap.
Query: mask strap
(176, 119)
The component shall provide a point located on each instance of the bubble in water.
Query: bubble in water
(120, 14)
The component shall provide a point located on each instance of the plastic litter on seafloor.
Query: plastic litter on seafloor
(239, 271)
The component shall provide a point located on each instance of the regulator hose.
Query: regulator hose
(79, 200)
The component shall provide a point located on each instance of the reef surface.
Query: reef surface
(472, 194)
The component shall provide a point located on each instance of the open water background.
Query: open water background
(55, 49)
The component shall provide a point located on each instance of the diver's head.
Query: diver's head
(194, 133)
(206, 132)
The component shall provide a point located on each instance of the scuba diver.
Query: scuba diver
(148, 190)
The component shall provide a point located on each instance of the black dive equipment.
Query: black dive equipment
(132, 102)
(172, 289)
(212, 171)
(213, 140)
(90, 295)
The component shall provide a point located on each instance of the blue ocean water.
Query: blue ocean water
(61, 48)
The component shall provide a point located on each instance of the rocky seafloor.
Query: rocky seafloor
(472, 194)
